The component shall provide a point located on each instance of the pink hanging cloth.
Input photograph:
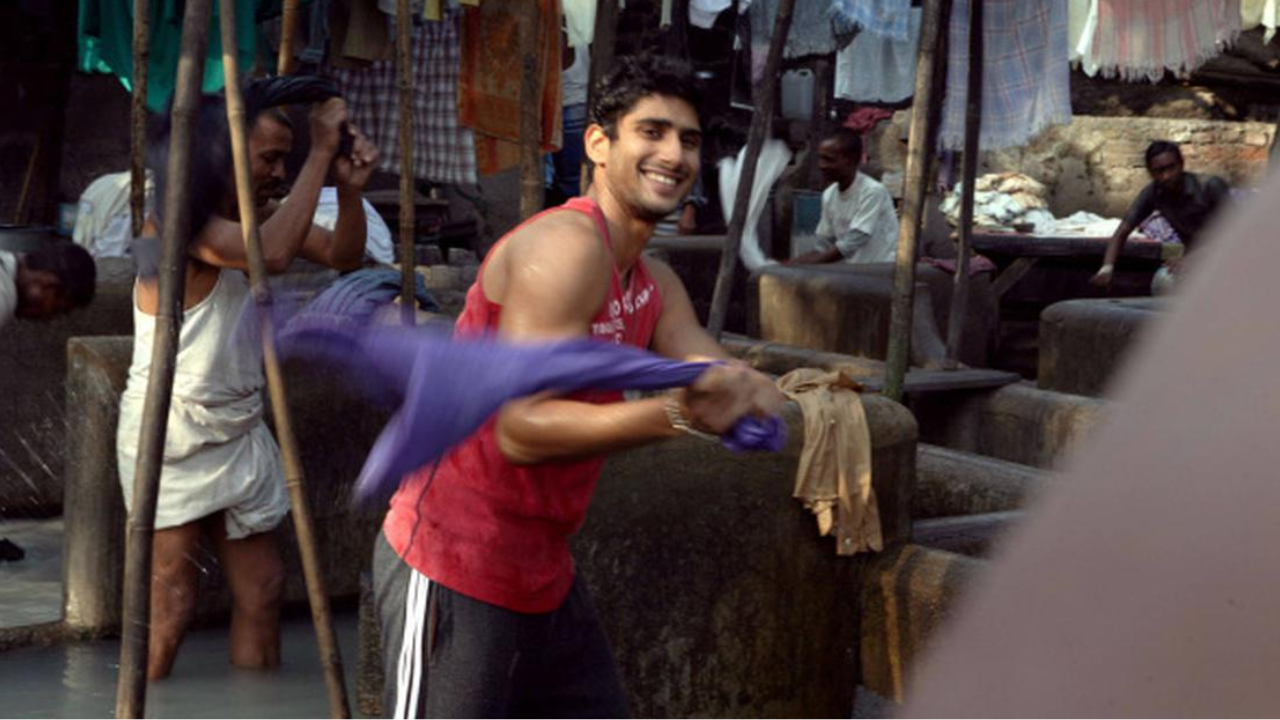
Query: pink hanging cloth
(1140, 39)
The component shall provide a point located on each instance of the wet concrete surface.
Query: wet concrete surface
(79, 679)
(31, 588)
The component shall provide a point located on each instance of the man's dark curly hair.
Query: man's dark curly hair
(1160, 147)
(77, 275)
(638, 76)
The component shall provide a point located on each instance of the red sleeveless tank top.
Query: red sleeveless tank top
(498, 532)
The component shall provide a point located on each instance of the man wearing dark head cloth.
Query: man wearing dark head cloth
(222, 477)
(1188, 201)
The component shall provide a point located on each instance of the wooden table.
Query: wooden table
(1017, 253)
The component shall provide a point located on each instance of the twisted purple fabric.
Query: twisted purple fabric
(449, 386)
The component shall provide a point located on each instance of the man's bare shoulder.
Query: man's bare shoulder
(559, 253)
(566, 240)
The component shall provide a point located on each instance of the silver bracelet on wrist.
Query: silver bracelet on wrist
(678, 421)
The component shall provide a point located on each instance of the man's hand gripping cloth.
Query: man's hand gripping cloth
(834, 476)
(450, 386)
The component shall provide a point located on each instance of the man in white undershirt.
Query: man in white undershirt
(858, 222)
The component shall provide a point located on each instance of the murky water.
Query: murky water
(31, 588)
(79, 680)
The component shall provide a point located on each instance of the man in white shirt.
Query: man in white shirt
(858, 222)
(46, 283)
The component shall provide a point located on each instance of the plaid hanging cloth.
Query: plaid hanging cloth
(1026, 80)
(443, 150)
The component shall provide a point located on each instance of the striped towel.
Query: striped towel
(1026, 82)
(1140, 39)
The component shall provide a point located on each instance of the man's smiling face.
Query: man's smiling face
(653, 161)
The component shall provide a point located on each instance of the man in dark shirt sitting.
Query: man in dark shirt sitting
(1186, 200)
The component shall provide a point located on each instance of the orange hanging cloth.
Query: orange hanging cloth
(489, 80)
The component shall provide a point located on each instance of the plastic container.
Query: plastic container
(797, 94)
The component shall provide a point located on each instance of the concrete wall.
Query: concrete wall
(1097, 164)
(1018, 423)
(951, 483)
(33, 369)
(907, 595)
(846, 309)
(1084, 342)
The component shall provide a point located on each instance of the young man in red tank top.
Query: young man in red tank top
(481, 612)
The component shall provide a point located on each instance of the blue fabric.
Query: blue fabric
(566, 163)
(357, 296)
(450, 386)
(879, 17)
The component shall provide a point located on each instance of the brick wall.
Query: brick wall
(1097, 164)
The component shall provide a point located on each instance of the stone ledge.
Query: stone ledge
(1084, 342)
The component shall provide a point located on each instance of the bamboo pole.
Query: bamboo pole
(918, 153)
(408, 256)
(531, 173)
(604, 42)
(969, 171)
(288, 29)
(326, 638)
(131, 691)
(767, 91)
(138, 130)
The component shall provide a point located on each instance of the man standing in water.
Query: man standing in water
(481, 612)
(222, 477)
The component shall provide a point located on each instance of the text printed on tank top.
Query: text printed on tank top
(614, 326)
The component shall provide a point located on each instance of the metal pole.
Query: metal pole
(138, 136)
(918, 152)
(326, 638)
(131, 691)
(404, 85)
(972, 126)
(767, 90)
(604, 40)
(288, 25)
(531, 109)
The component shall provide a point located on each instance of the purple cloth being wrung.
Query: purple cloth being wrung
(450, 386)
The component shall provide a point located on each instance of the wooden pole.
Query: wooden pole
(288, 28)
(918, 153)
(766, 93)
(969, 171)
(131, 691)
(326, 638)
(603, 43)
(138, 134)
(404, 85)
(19, 210)
(531, 173)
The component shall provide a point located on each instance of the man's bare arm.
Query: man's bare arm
(553, 277)
(221, 241)
(1114, 245)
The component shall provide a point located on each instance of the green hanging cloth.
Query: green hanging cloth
(104, 34)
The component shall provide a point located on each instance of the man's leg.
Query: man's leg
(175, 577)
(461, 655)
(255, 573)
(574, 674)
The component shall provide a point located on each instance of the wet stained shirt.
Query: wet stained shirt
(1187, 211)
